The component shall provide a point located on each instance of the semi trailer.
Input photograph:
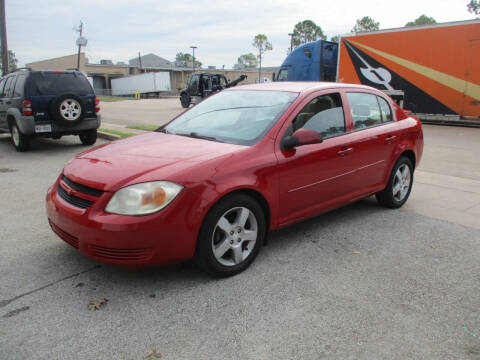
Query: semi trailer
(435, 67)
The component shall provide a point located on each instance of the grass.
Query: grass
(144, 127)
(116, 132)
(114, 98)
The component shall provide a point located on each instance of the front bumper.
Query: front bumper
(164, 237)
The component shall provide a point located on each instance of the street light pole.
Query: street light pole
(291, 41)
(80, 29)
(193, 63)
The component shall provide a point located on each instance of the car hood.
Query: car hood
(146, 157)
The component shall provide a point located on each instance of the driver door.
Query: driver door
(314, 178)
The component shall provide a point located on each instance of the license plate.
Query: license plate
(43, 128)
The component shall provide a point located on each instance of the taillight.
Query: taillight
(27, 108)
(97, 105)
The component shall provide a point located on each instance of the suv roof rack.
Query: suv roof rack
(17, 69)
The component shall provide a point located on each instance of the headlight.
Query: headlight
(144, 198)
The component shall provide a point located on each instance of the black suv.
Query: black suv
(48, 103)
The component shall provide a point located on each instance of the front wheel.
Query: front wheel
(88, 137)
(20, 141)
(399, 185)
(231, 236)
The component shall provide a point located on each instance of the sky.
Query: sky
(222, 30)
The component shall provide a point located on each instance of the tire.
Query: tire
(221, 251)
(20, 141)
(399, 185)
(185, 100)
(88, 137)
(67, 109)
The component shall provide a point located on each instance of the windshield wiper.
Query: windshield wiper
(198, 136)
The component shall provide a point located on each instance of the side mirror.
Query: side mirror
(301, 137)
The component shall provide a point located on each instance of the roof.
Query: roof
(150, 61)
(298, 86)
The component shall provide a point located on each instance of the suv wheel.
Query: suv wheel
(20, 141)
(185, 100)
(67, 109)
(88, 137)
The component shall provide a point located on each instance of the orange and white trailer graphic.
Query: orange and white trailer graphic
(437, 66)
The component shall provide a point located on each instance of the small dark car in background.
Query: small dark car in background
(48, 103)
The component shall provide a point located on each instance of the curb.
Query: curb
(107, 136)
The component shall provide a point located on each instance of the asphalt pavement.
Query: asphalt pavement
(361, 282)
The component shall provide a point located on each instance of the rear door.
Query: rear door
(43, 86)
(471, 105)
(373, 140)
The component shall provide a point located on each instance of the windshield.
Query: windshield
(235, 117)
(52, 83)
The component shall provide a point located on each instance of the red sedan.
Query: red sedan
(210, 184)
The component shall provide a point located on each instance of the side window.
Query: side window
(385, 109)
(194, 81)
(9, 86)
(19, 85)
(323, 114)
(7, 92)
(282, 75)
(364, 109)
(2, 84)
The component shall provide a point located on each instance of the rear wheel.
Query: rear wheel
(399, 185)
(19, 140)
(88, 137)
(185, 100)
(231, 236)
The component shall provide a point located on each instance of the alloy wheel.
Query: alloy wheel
(234, 236)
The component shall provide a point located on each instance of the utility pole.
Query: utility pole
(193, 65)
(291, 41)
(3, 29)
(79, 30)
(140, 62)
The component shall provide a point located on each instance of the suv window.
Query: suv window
(19, 85)
(51, 83)
(364, 109)
(386, 110)
(323, 114)
(2, 84)
(7, 92)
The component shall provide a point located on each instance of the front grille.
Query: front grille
(76, 200)
(69, 239)
(72, 199)
(82, 188)
(138, 254)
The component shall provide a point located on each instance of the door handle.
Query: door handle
(345, 151)
(390, 139)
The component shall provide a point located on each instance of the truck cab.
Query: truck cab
(314, 61)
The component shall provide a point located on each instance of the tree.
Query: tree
(188, 58)
(366, 24)
(474, 7)
(12, 61)
(421, 20)
(248, 61)
(262, 44)
(306, 31)
(335, 39)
